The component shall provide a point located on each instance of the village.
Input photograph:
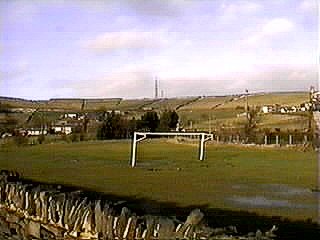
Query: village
(65, 122)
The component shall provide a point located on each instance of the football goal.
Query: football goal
(140, 136)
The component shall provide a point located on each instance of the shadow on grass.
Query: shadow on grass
(244, 221)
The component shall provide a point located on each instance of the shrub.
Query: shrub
(20, 140)
(41, 138)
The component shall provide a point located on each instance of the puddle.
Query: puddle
(285, 190)
(263, 202)
(276, 189)
(273, 196)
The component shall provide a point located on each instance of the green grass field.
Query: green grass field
(201, 111)
(285, 99)
(168, 171)
(206, 103)
(171, 103)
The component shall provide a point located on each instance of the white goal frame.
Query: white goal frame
(140, 136)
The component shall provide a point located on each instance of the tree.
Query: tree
(5, 108)
(168, 120)
(113, 127)
(8, 125)
(251, 124)
(149, 121)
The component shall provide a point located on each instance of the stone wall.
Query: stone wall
(36, 211)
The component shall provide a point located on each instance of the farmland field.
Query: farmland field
(220, 110)
(206, 103)
(134, 104)
(267, 181)
(171, 103)
(286, 99)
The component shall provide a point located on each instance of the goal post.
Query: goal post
(140, 136)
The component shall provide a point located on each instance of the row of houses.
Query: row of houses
(90, 115)
(276, 108)
(56, 129)
(66, 124)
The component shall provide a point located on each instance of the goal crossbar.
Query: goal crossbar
(140, 136)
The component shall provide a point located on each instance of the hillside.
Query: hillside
(201, 113)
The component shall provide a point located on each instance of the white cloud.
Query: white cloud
(21, 12)
(277, 25)
(17, 70)
(232, 11)
(309, 6)
(138, 82)
(127, 40)
(271, 28)
(131, 81)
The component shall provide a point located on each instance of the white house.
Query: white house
(242, 114)
(293, 109)
(36, 132)
(6, 135)
(283, 110)
(266, 109)
(70, 115)
(62, 129)
(115, 111)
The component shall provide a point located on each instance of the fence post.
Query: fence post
(134, 150)
(201, 157)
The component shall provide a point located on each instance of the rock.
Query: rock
(98, 216)
(87, 223)
(44, 206)
(122, 222)
(166, 229)
(52, 230)
(67, 210)
(129, 232)
(195, 217)
(33, 229)
(109, 227)
(60, 202)
(270, 233)
(258, 235)
(148, 233)
(139, 232)
(12, 218)
(38, 207)
(52, 217)
(4, 226)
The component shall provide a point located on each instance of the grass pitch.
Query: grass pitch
(170, 172)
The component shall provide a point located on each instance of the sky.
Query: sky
(116, 48)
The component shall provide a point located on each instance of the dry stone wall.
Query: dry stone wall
(29, 211)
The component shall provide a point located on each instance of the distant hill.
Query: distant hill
(195, 112)
(182, 104)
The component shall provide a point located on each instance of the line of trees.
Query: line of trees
(115, 126)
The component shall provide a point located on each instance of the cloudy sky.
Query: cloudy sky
(115, 48)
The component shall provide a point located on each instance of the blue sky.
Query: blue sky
(115, 48)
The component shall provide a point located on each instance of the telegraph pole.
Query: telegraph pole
(310, 109)
(210, 129)
(156, 88)
(247, 105)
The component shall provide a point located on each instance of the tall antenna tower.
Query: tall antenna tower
(156, 88)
